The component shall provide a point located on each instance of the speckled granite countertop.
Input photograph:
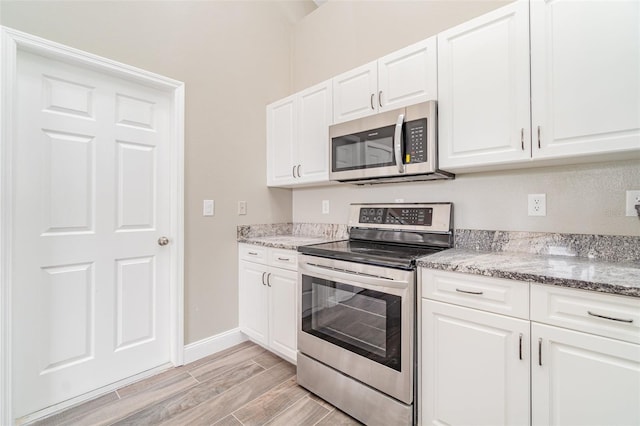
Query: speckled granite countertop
(288, 242)
(596, 275)
(290, 236)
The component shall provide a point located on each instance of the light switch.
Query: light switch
(208, 207)
(242, 207)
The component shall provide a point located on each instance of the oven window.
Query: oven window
(363, 321)
(363, 150)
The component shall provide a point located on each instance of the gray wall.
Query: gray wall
(234, 58)
(586, 198)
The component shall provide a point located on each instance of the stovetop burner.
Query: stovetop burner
(391, 235)
(390, 255)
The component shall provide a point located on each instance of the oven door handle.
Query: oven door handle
(360, 277)
(397, 146)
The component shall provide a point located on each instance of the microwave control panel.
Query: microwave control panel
(415, 149)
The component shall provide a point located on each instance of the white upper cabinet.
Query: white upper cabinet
(281, 141)
(583, 88)
(585, 83)
(354, 93)
(408, 76)
(483, 90)
(314, 118)
(402, 78)
(298, 137)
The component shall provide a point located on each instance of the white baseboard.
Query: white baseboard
(209, 346)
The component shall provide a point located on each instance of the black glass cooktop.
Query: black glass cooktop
(372, 253)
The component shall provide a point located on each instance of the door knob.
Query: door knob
(163, 241)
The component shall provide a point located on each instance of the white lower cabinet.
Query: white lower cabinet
(582, 379)
(268, 298)
(577, 362)
(475, 367)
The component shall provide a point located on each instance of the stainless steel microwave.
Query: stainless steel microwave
(398, 145)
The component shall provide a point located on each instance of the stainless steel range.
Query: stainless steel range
(356, 336)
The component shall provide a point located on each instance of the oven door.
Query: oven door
(359, 319)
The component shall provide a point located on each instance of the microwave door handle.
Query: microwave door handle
(397, 146)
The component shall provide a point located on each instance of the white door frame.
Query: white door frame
(13, 41)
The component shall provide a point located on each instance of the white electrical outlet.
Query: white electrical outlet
(633, 198)
(325, 206)
(208, 207)
(537, 205)
(242, 207)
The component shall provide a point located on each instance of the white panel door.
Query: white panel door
(585, 77)
(582, 379)
(475, 367)
(355, 93)
(90, 283)
(483, 90)
(283, 313)
(281, 141)
(314, 117)
(408, 76)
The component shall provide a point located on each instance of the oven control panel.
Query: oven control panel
(421, 216)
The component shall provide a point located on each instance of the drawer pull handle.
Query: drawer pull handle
(477, 293)
(520, 347)
(253, 253)
(284, 259)
(629, 321)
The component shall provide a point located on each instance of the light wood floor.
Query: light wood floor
(243, 385)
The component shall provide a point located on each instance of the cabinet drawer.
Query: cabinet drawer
(497, 295)
(286, 259)
(251, 253)
(616, 317)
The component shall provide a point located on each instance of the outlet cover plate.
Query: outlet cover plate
(633, 198)
(325, 206)
(537, 205)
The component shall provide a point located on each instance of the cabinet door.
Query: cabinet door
(314, 118)
(483, 90)
(475, 367)
(585, 77)
(408, 76)
(281, 141)
(283, 312)
(582, 379)
(355, 93)
(253, 301)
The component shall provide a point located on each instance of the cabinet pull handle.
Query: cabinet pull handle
(263, 283)
(372, 95)
(286, 259)
(253, 253)
(520, 347)
(269, 279)
(522, 138)
(629, 321)
(477, 293)
(293, 171)
(539, 146)
(298, 169)
(380, 98)
(540, 352)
